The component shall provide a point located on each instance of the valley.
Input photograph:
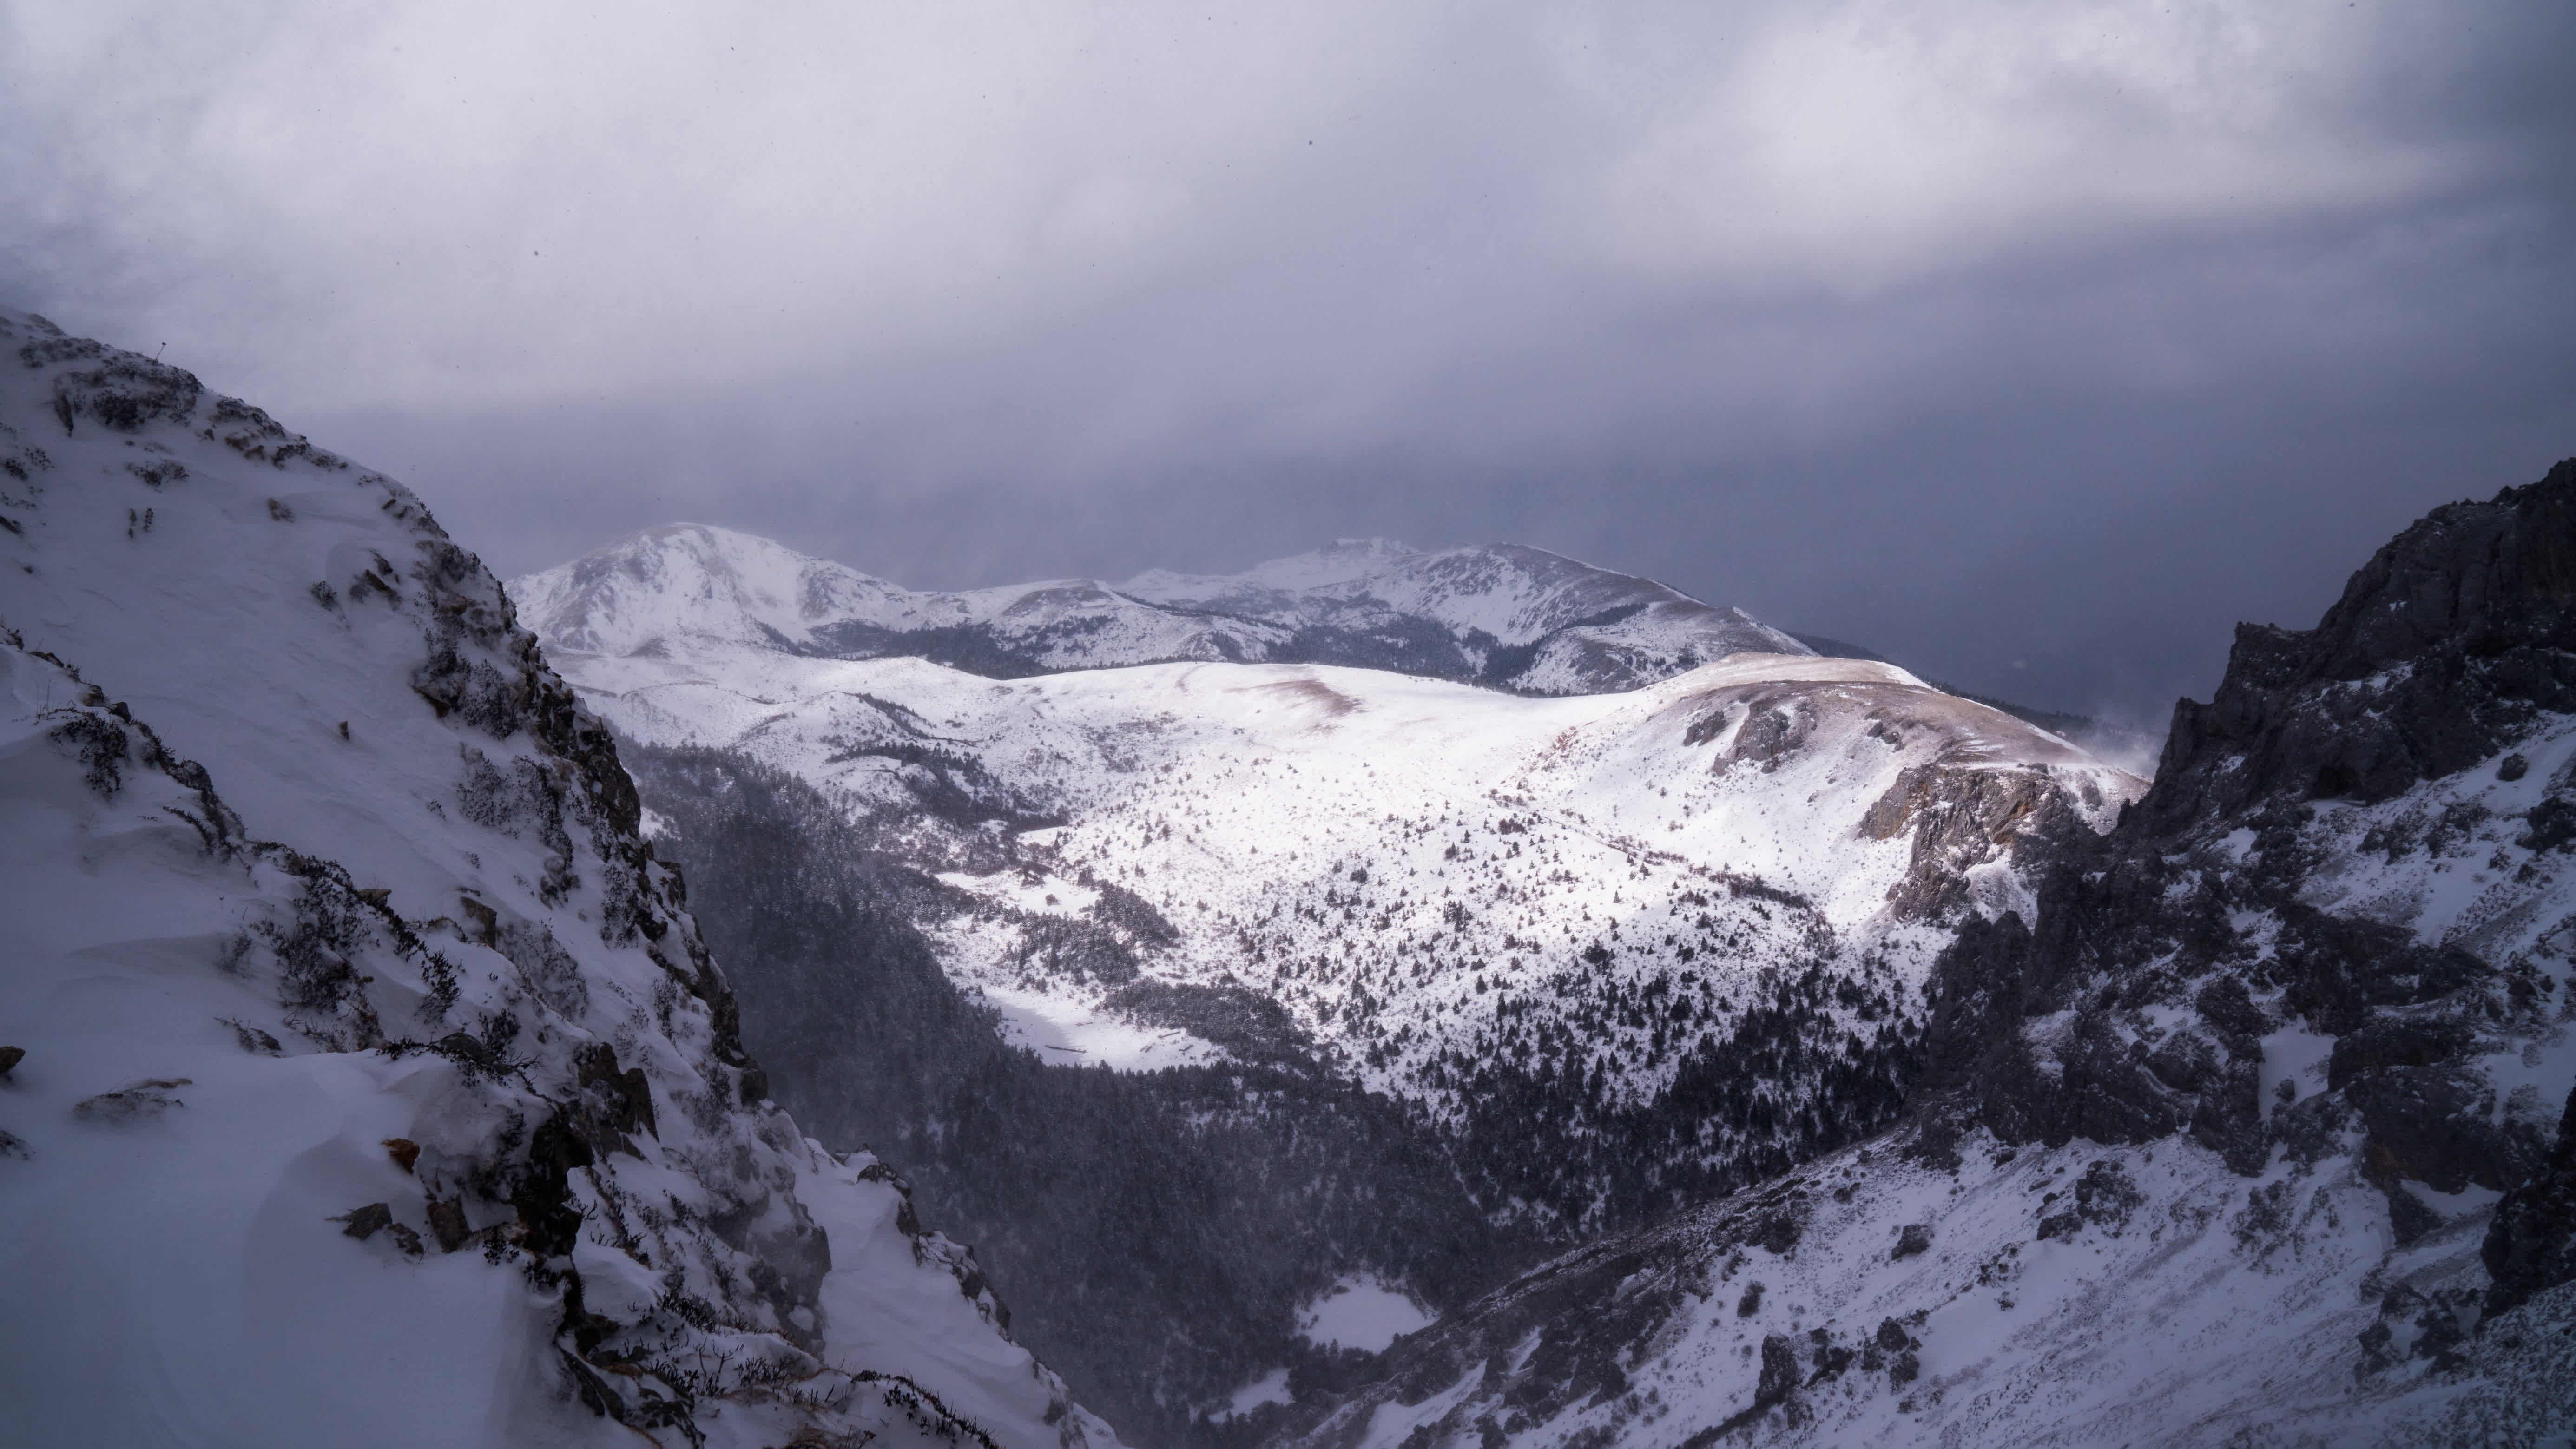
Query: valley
(1384, 999)
(1597, 956)
(1422, 885)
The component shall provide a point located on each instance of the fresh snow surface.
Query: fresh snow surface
(1402, 863)
(1270, 1388)
(2211, 1310)
(2175, 1326)
(282, 798)
(1361, 1312)
(1067, 1033)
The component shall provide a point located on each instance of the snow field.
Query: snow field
(1418, 870)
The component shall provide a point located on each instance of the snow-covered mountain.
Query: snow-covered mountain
(362, 1078)
(2261, 1130)
(1501, 615)
(1457, 895)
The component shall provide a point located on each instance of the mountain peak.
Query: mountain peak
(2447, 644)
(1503, 615)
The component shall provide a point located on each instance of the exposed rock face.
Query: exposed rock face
(2450, 644)
(2280, 874)
(2531, 1247)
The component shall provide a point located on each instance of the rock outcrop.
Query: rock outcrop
(381, 1089)
(2255, 1126)
(2285, 873)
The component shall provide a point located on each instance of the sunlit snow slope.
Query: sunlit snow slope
(1419, 879)
(364, 1080)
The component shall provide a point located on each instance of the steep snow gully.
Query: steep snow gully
(1621, 1026)
(365, 1080)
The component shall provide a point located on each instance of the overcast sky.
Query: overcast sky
(2031, 343)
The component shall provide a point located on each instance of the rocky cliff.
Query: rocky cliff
(2254, 1130)
(363, 1077)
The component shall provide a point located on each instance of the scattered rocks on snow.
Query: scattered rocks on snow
(364, 1223)
(2105, 1195)
(128, 1103)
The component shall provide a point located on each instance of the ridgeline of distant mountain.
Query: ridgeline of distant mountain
(1500, 615)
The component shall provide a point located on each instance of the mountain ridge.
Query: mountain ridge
(1871, 1063)
(1504, 615)
(2256, 1130)
(1600, 955)
(369, 1080)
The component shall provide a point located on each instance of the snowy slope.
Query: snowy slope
(1412, 878)
(2178, 1305)
(367, 1081)
(2263, 1132)
(1503, 615)
(1365, 846)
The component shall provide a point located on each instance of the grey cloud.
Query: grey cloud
(1991, 333)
